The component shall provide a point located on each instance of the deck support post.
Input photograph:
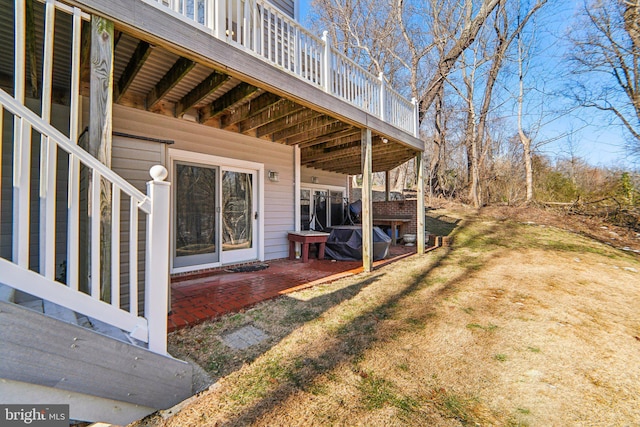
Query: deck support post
(100, 130)
(297, 215)
(387, 186)
(420, 240)
(367, 207)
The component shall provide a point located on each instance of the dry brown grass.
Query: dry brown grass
(515, 325)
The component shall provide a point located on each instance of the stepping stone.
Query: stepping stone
(244, 337)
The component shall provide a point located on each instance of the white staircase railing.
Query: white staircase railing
(38, 278)
(262, 29)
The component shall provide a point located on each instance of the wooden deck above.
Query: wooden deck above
(170, 65)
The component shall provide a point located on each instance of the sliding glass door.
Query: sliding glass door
(215, 216)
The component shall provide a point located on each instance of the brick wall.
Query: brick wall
(398, 209)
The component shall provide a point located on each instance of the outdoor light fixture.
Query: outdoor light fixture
(274, 176)
(315, 179)
(385, 140)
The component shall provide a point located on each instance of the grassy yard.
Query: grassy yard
(516, 324)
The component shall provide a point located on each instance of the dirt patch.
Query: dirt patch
(519, 323)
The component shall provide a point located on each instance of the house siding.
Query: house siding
(60, 120)
(324, 177)
(287, 6)
(187, 136)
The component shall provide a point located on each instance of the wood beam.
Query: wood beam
(367, 205)
(250, 109)
(226, 101)
(333, 144)
(337, 138)
(137, 60)
(387, 186)
(317, 133)
(350, 162)
(205, 88)
(351, 149)
(295, 119)
(169, 80)
(275, 112)
(303, 128)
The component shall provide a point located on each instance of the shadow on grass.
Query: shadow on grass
(219, 361)
(439, 224)
(297, 372)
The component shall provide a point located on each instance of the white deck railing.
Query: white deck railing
(40, 281)
(262, 29)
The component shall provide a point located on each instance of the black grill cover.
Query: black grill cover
(345, 243)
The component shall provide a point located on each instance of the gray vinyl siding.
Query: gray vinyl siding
(131, 159)
(60, 120)
(6, 195)
(287, 6)
(324, 177)
(187, 136)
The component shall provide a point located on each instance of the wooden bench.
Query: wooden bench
(305, 238)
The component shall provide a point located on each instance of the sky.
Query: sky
(588, 134)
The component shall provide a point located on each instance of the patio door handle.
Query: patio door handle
(255, 216)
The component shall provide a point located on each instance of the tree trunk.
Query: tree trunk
(528, 166)
(436, 184)
(447, 62)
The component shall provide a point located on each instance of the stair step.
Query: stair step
(7, 293)
(60, 312)
(110, 331)
(34, 304)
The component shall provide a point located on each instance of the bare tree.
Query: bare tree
(415, 43)
(481, 72)
(606, 61)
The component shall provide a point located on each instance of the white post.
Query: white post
(157, 260)
(383, 97)
(367, 206)
(220, 19)
(420, 203)
(48, 156)
(326, 68)
(296, 187)
(21, 191)
(416, 120)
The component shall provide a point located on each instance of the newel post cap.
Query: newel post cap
(158, 172)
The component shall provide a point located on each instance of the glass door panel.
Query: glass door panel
(196, 234)
(305, 209)
(238, 216)
(320, 210)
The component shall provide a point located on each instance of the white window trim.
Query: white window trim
(312, 186)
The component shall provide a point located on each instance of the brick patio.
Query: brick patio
(199, 297)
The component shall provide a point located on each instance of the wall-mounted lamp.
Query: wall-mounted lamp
(385, 140)
(315, 179)
(274, 176)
